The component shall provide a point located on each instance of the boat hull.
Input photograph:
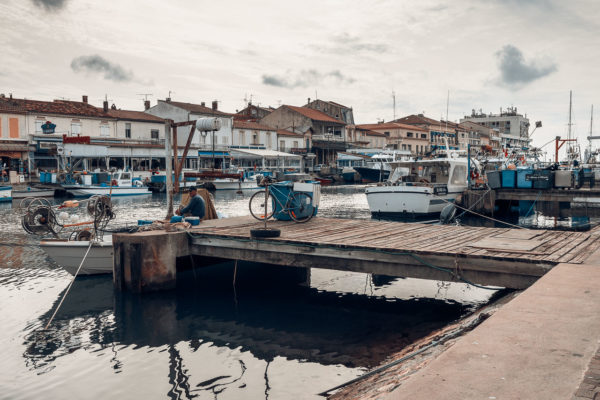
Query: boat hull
(235, 185)
(5, 193)
(407, 201)
(372, 174)
(68, 254)
(87, 191)
(21, 194)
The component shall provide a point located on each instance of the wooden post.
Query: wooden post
(175, 160)
(179, 165)
(169, 169)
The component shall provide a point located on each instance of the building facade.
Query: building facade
(513, 128)
(333, 109)
(402, 136)
(325, 135)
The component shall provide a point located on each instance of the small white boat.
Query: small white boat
(234, 184)
(419, 188)
(32, 192)
(122, 185)
(5, 193)
(69, 253)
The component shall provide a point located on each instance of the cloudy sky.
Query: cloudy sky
(487, 53)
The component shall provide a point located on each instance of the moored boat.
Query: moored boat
(33, 192)
(69, 253)
(121, 185)
(5, 193)
(419, 188)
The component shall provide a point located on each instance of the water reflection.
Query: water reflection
(268, 318)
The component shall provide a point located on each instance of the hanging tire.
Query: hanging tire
(259, 209)
(265, 233)
(300, 207)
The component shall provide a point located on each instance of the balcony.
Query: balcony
(328, 138)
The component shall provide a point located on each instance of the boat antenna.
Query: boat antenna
(591, 128)
(447, 106)
(394, 98)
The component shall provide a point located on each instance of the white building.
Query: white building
(203, 143)
(512, 127)
(252, 134)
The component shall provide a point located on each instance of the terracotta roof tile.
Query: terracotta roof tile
(373, 133)
(390, 125)
(314, 114)
(251, 125)
(415, 119)
(58, 107)
(134, 116)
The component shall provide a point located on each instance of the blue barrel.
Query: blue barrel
(509, 178)
(524, 178)
(42, 177)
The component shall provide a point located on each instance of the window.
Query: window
(128, 130)
(104, 130)
(423, 136)
(254, 138)
(282, 145)
(409, 134)
(409, 147)
(459, 175)
(386, 133)
(154, 134)
(224, 140)
(38, 125)
(13, 128)
(75, 128)
(268, 140)
(403, 147)
(295, 144)
(242, 138)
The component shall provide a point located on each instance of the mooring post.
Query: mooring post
(147, 261)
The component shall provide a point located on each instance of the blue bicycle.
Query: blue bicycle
(265, 204)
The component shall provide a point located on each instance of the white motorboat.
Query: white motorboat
(122, 185)
(33, 192)
(419, 188)
(69, 253)
(5, 193)
(234, 184)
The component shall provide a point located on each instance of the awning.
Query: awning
(261, 153)
(12, 147)
(210, 153)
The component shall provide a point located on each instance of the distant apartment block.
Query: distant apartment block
(512, 127)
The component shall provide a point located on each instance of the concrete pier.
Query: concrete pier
(538, 346)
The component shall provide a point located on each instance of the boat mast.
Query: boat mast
(570, 149)
(591, 128)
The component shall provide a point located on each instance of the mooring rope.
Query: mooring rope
(70, 284)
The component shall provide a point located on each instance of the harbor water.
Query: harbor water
(259, 338)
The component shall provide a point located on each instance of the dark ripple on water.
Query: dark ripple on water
(266, 338)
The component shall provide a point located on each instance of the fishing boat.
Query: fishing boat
(419, 188)
(379, 168)
(5, 193)
(33, 192)
(69, 253)
(121, 185)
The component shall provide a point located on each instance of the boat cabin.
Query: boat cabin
(430, 172)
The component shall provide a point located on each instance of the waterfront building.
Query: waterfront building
(253, 112)
(326, 134)
(211, 147)
(399, 136)
(513, 128)
(438, 131)
(42, 125)
(333, 109)
(487, 136)
(250, 134)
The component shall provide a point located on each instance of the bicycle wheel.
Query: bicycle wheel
(300, 207)
(259, 209)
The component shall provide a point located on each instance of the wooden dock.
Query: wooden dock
(513, 258)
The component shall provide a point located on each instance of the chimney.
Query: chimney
(146, 104)
(84, 98)
(168, 99)
(105, 106)
(215, 105)
(308, 100)
(10, 96)
(203, 104)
